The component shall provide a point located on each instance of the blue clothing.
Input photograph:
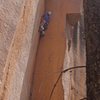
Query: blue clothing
(46, 17)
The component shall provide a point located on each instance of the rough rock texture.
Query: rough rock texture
(19, 22)
(9, 16)
(74, 81)
(92, 30)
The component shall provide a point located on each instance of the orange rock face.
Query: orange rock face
(51, 51)
(19, 37)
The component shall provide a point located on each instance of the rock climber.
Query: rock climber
(46, 17)
(45, 21)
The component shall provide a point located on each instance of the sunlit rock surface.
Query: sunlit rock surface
(19, 22)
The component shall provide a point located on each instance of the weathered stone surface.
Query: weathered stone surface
(9, 16)
(74, 81)
(19, 22)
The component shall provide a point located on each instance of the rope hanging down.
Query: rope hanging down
(64, 71)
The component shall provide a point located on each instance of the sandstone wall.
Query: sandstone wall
(19, 22)
(9, 16)
(74, 81)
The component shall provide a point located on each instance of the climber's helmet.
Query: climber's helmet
(49, 12)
